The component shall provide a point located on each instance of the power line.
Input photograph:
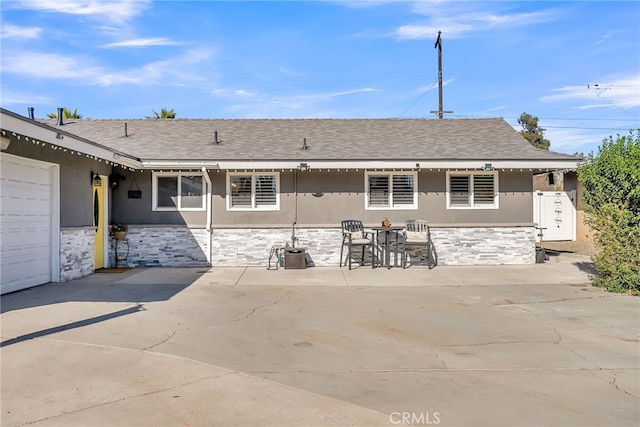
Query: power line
(418, 100)
(599, 90)
(557, 118)
(577, 127)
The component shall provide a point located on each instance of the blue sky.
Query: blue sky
(574, 65)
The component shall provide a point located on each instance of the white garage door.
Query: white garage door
(27, 194)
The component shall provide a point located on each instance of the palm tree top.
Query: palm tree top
(164, 114)
(67, 114)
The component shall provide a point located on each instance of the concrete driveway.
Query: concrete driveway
(449, 347)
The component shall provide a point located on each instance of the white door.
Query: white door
(28, 223)
(554, 212)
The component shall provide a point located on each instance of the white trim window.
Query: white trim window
(472, 190)
(178, 191)
(250, 191)
(391, 190)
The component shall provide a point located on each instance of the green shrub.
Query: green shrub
(611, 200)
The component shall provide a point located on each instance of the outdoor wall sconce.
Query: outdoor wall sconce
(96, 181)
(304, 166)
(488, 167)
(114, 180)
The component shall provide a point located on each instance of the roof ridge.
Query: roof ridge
(337, 119)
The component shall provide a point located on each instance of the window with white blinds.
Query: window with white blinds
(253, 191)
(477, 190)
(178, 191)
(391, 190)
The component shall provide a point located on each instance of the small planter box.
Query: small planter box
(295, 258)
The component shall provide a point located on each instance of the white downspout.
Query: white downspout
(205, 173)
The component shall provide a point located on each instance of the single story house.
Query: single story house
(221, 192)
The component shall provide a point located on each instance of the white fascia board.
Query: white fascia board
(46, 134)
(368, 165)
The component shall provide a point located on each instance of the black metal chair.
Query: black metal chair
(417, 233)
(354, 235)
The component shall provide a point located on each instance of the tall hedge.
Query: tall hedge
(611, 200)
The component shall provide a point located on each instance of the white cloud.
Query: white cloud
(14, 31)
(575, 140)
(47, 65)
(344, 93)
(118, 11)
(268, 105)
(459, 19)
(80, 71)
(605, 37)
(242, 92)
(170, 72)
(296, 99)
(622, 93)
(159, 41)
(452, 31)
(501, 107)
(289, 72)
(13, 98)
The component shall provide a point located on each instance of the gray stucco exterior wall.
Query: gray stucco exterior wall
(326, 198)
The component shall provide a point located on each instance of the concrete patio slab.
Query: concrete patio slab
(453, 346)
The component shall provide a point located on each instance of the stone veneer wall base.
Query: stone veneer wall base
(162, 246)
(76, 252)
(454, 245)
(168, 246)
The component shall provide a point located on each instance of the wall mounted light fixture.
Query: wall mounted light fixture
(96, 181)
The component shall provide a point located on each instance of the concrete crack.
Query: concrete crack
(559, 341)
(214, 324)
(556, 300)
(420, 370)
(253, 311)
(479, 344)
(149, 393)
(614, 383)
(444, 365)
(161, 342)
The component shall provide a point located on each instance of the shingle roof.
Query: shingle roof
(328, 139)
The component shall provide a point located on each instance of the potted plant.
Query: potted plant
(119, 231)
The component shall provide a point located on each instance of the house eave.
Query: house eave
(416, 164)
(14, 125)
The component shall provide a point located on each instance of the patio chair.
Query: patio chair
(354, 236)
(417, 234)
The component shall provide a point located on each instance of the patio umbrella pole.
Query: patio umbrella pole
(295, 209)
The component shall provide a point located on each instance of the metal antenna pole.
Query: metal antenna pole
(438, 45)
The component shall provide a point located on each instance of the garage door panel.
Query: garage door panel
(26, 221)
(20, 271)
(17, 238)
(19, 170)
(17, 201)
